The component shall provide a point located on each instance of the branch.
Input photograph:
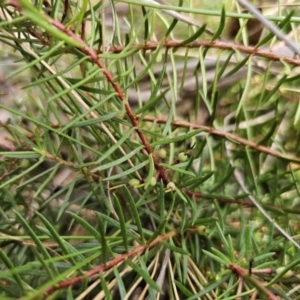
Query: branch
(211, 44)
(151, 45)
(110, 264)
(228, 136)
(243, 274)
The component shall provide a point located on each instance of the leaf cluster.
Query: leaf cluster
(146, 156)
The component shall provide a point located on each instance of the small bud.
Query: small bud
(162, 153)
(201, 230)
(134, 182)
(25, 163)
(135, 243)
(171, 185)
(153, 181)
(182, 157)
(288, 274)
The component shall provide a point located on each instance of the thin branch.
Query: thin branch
(217, 44)
(152, 45)
(110, 264)
(226, 135)
(242, 273)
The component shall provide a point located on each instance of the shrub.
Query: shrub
(146, 156)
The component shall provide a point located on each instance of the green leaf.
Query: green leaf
(177, 169)
(90, 122)
(203, 221)
(105, 287)
(135, 213)
(91, 229)
(211, 287)
(127, 172)
(22, 174)
(181, 195)
(144, 274)
(270, 36)
(196, 182)
(21, 154)
(222, 236)
(36, 240)
(195, 35)
(174, 248)
(183, 289)
(8, 263)
(151, 172)
(247, 86)
(248, 242)
(154, 98)
(103, 240)
(56, 236)
(122, 223)
(177, 138)
(124, 137)
(221, 26)
(159, 230)
(222, 257)
(120, 284)
(117, 162)
(117, 224)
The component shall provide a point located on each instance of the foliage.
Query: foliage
(145, 155)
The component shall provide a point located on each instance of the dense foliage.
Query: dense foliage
(149, 150)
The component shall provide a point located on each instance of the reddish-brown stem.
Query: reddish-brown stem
(267, 271)
(243, 274)
(110, 264)
(39, 37)
(226, 135)
(218, 44)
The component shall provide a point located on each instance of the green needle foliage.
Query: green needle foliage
(149, 150)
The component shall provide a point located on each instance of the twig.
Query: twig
(212, 44)
(242, 273)
(217, 44)
(110, 264)
(226, 135)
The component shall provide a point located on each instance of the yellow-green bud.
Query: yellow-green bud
(134, 182)
(162, 153)
(25, 163)
(182, 157)
(153, 181)
(201, 230)
(171, 185)
(288, 274)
